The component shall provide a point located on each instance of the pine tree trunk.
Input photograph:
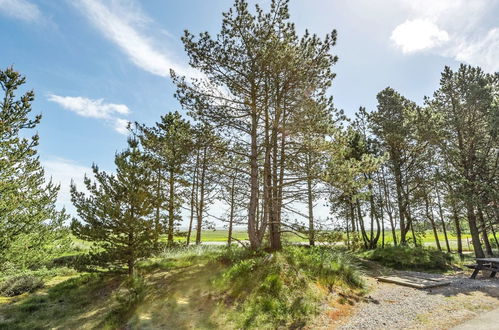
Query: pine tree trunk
(254, 184)
(199, 226)
(485, 236)
(361, 225)
(193, 199)
(232, 208)
(389, 208)
(157, 224)
(458, 231)
(432, 221)
(311, 229)
(348, 234)
(400, 203)
(441, 213)
(171, 207)
(475, 235)
(413, 235)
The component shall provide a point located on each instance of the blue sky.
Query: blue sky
(96, 64)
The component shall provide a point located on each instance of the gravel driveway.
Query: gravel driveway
(391, 306)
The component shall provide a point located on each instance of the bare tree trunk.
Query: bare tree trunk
(254, 184)
(157, 223)
(485, 236)
(171, 206)
(458, 231)
(413, 235)
(199, 226)
(232, 208)
(274, 210)
(361, 224)
(429, 215)
(193, 198)
(311, 229)
(440, 211)
(389, 207)
(401, 204)
(348, 234)
(475, 236)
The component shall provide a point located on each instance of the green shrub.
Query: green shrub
(20, 284)
(416, 258)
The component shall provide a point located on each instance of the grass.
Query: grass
(192, 287)
(220, 235)
(75, 302)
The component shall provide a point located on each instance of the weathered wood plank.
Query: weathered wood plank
(413, 281)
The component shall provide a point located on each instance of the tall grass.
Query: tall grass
(280, 289)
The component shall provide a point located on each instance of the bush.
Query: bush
(20, 284)
(416, 258)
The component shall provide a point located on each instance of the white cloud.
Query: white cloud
(451, 28)
(418, 34)
(121, 26)
(121, 125)
(62, 171)
(483, 52)
(90, 108)
(21, 9)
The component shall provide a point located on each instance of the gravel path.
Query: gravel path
(391, 306)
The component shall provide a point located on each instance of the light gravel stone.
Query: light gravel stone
(390, 306)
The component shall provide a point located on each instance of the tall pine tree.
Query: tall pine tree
(29, 220)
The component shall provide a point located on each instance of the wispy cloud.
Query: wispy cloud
(123, 26)
(21, 9)
(62, 171)
(98, 109)
(451, 28)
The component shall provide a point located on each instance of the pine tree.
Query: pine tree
(170, 145)
(30, 225)
(466, 112)
(118, 214)
(258, 71)
(396, 125)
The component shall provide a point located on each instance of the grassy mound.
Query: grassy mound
(284, 289)
(404, 257)
(195, 287)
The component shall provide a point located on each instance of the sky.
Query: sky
(97, 64)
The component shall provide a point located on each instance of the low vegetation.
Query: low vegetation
(225, 287)
(405, 257)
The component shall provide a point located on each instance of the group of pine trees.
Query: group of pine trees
(440, 165)
(265, 140)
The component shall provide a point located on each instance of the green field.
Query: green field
(220, 235)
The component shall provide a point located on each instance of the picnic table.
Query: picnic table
(488, 264)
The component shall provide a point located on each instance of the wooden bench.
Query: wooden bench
(487, 264)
